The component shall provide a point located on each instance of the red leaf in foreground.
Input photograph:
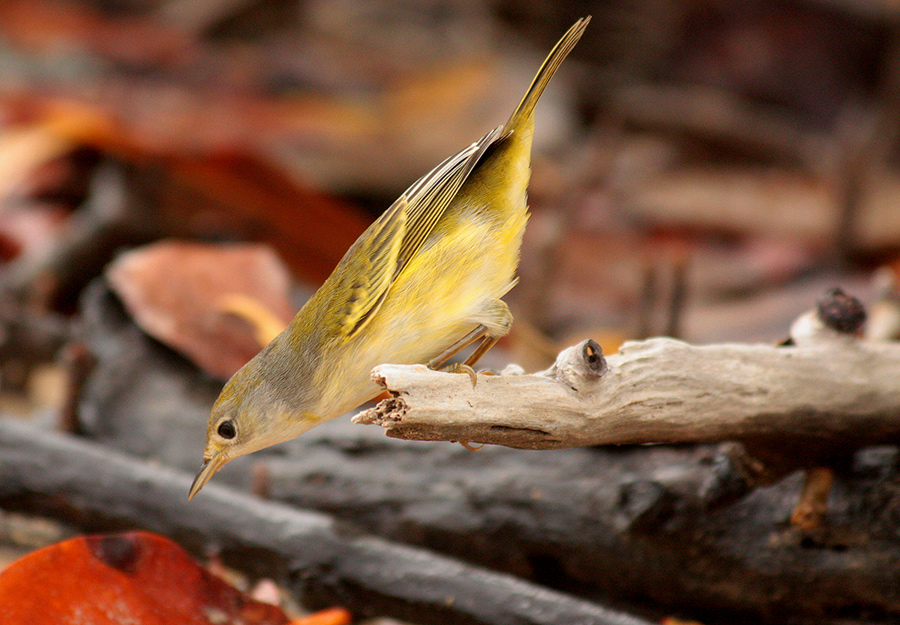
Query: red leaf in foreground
(134, 577)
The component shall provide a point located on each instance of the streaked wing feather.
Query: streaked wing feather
(430, 196)
(398, 234)
(378, 257)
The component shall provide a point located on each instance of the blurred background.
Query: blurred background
(702, 169)
(177, 176)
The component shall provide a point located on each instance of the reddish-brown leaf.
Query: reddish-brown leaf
(135, 577)
(180, 293)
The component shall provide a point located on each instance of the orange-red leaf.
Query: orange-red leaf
(135, 577)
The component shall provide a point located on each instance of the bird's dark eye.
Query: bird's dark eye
(226, 430)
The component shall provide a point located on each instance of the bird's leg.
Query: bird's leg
(461, 344)
(495, 321)
(486, 343)
(478, 333)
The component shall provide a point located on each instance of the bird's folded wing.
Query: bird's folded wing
(393, 239)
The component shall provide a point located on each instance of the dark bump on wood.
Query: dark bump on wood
(841, 312)
(592, 354)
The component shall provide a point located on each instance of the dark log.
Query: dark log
(674, 527)
(321, 561)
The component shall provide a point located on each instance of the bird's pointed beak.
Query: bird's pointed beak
(210, 466)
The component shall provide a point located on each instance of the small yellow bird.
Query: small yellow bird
(421, 283)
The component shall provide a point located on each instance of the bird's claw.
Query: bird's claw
(461, 367)
(469, 446)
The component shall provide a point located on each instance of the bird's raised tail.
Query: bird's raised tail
(545, 73)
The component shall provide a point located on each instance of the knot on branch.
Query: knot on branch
(579, 367)
(837, 316)
(841, 312)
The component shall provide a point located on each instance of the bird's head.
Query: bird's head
(249, 414)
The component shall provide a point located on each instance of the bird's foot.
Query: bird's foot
(461, 367)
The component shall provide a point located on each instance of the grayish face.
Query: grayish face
(248, 416)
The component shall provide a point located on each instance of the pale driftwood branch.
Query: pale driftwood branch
(828, 388)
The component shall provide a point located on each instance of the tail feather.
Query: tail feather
(557, 55)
